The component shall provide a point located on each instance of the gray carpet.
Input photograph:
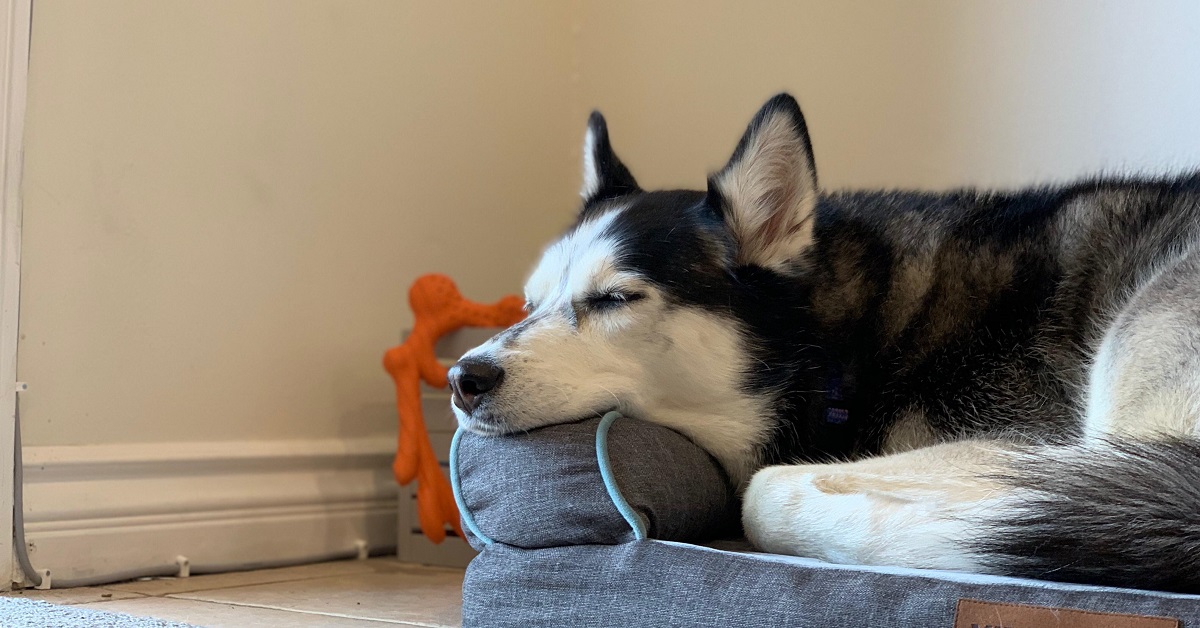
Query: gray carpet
(20, 613)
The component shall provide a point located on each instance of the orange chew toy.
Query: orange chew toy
(438, 309)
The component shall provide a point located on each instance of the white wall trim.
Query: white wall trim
(15, 48)
(99, 509)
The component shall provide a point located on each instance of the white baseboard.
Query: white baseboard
(100, 509)
(92, 510)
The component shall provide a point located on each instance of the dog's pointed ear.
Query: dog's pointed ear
(604, 176)
(768, 192)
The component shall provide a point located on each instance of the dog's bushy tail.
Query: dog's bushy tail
(1118, 512)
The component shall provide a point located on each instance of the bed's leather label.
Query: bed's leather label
(980, 614)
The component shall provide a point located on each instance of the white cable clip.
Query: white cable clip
(20, 387)
(361, 546)
(185, 567)
(45, 584)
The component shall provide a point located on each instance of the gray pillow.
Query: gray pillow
(604, 481)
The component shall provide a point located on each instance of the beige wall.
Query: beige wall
(224, 202)
(922, 93)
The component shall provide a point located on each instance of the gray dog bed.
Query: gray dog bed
(618, 522)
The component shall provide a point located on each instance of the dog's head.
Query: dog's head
(636, 307)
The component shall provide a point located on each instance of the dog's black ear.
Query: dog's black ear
(768, 192)
(604, 176)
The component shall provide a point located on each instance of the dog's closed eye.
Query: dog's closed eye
(612, 299)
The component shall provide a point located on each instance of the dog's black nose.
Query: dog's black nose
(470, 379)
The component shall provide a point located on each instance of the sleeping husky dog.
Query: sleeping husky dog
(999, 382)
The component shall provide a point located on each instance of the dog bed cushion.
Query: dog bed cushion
(599, 523)
(607, 481)
(653, 583)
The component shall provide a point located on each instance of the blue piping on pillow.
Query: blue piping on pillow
(610, 483)
(463, 513)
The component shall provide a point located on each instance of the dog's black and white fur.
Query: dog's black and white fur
(999, 382)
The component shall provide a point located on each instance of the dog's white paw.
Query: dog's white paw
(785, 511)
(841, 515)
(765, 506)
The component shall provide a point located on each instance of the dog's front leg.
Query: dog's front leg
(913, 509)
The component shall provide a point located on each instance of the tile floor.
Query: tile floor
(375, 592)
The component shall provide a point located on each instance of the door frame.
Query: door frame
(15, 25)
